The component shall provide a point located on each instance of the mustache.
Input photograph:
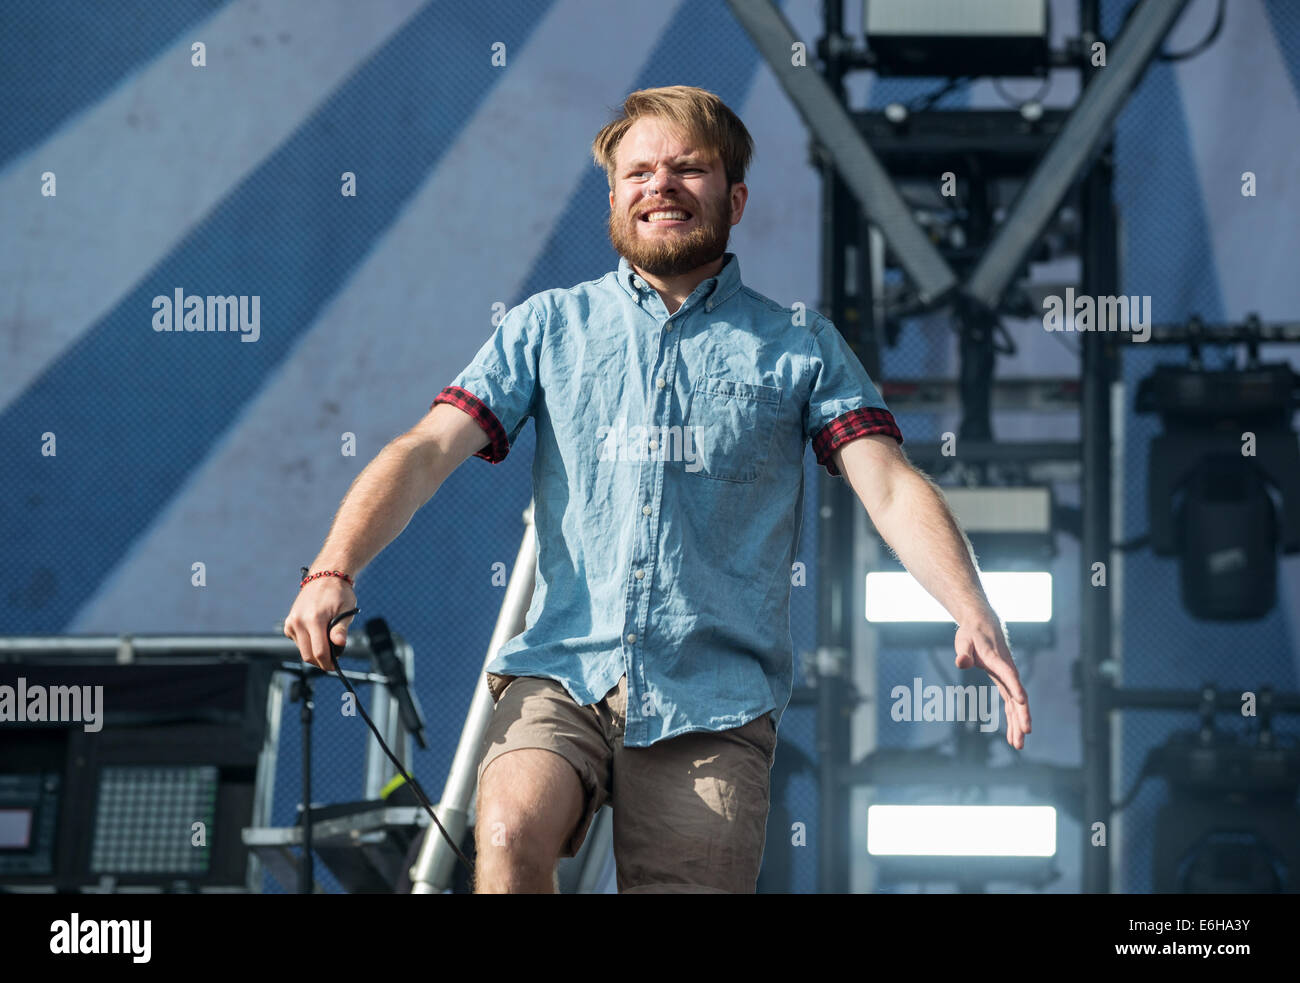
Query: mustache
(666, 207)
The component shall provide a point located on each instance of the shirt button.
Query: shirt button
(640, 574)
(638, 283)
(646, 510)
(660, 383)
(631, 638)
(654, 445)
(668, 327)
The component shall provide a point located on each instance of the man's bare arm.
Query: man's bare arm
(377, 507)
(391, 489)
(912, 516)
(914, 519)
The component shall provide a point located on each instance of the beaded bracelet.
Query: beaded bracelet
(324, 573)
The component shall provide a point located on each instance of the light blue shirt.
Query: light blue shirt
(668, 486)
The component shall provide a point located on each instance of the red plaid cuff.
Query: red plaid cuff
(498, 445)
(850, 426)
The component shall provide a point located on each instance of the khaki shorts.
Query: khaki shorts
(690, 813)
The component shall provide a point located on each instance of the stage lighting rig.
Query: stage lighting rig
(943, 37)
(1227, 450)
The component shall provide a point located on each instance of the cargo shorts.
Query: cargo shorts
(690, 812)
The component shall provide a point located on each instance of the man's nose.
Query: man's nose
(661, 180)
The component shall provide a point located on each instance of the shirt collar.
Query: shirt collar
(713, 291)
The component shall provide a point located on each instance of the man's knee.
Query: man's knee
(529, 802)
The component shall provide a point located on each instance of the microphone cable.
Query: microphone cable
(335, 650)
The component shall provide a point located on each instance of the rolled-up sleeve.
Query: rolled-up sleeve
(843, 402)
(499, 387)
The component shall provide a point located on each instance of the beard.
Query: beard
(677, 251)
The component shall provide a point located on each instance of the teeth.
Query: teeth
(658, 216)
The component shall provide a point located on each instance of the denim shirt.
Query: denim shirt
(668, 486)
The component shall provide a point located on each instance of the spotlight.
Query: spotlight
(1226, 449)
(1230, 823)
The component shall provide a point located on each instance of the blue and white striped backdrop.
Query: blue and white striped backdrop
(475, 187)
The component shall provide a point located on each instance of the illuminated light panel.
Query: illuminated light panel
(961, 831)
(1016, 596)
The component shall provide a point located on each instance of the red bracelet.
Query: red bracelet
(325, 573)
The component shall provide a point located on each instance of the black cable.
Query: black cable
(1136, 787)
(1191, 52)
(923, 102)
(1204, 43)
(1018, 101)
(424, 799)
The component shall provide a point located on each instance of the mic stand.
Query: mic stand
(302, 690)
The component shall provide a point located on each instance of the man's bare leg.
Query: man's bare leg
(529, 801)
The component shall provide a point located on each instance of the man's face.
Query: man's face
(685, 180)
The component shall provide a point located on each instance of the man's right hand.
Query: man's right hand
(309, 619)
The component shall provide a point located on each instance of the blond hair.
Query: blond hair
(695, 113)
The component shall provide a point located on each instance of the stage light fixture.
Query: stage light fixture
(1016, 595)
(961, 831)
(1226, 451)
(955, 37)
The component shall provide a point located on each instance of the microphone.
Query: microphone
(386, 660)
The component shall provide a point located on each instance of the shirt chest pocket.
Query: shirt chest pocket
(730, 426)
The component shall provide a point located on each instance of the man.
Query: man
(673, 406)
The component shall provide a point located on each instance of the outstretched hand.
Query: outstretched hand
(981, 642)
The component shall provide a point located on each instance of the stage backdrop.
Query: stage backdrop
(464, 131)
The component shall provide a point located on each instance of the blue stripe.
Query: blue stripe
(57, 58)
(135, 411)
(1284, 15)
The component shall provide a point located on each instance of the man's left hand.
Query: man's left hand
(982, 643)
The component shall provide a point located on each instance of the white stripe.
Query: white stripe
(409, 320)
(139, 169)
(777, 239)
(1242, 115)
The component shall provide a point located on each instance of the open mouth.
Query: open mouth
(666, 216)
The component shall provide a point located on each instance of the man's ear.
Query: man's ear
(741, 190)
